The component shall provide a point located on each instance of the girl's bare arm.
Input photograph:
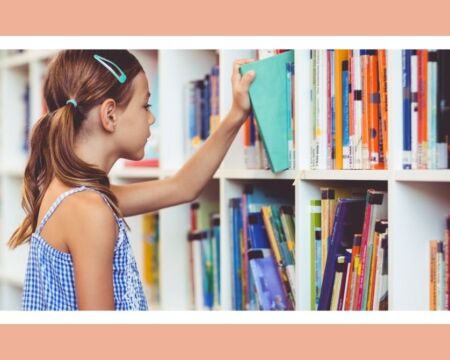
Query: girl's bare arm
(142, 197)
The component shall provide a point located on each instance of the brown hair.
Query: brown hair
(72, 74)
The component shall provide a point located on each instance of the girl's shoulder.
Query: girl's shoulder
(90, 223)
(80, 218)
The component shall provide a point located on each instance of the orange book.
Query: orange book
(339, 57)
(247, 132)
(422, 105)
(433, 256)
(353, 268)
(374, 101)
(365, 108)
(382, 73)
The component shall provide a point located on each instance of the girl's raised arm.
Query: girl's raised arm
(185, 186)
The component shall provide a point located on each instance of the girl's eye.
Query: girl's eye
(147, 107)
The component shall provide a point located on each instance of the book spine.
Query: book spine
(365, 109)
(406, 84)
(345, 117)
(350, 288)
(358, 110)
(351, 109)
(323, 110)
(382, 73)
(329, 111)
(432, 110)
(423, 109)
(374, 101)
(340, 56)
(316, 252)
(433, 260)
(364, 244)
(414, 109)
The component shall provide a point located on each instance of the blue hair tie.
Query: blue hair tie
(120, 76)
(72, 101)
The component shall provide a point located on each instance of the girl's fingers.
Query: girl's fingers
(236, 65)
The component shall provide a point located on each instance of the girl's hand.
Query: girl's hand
(240, 85)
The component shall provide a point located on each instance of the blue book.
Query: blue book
(257, 231)
(236, 226)
(206, 113)
(215, 224)
(269, 288)
(349, 220)
(406, 82)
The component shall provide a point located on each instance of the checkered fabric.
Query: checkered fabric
(50, 280)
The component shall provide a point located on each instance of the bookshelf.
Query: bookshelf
(418, 200)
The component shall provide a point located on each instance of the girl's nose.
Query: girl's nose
(151, 119)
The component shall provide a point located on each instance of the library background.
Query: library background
(334, 195)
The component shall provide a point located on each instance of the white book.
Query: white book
(357, 95)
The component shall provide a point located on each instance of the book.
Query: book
(150, 234)
(269, 288)
(271, 116)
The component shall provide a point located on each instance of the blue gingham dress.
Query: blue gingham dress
(50, 281)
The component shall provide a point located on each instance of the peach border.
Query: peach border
(223, 341)
(205, 17)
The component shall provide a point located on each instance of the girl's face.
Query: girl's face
(133, 130)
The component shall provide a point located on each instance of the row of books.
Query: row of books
(263, 251)
(204, 256)
(150, 244)
(439, 271)
(349, 250)
(426, 109)
(202, 109)
(349, 109)
(278, 78)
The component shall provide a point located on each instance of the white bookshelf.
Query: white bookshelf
(418, 201)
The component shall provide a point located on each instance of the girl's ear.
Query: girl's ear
(108, 116)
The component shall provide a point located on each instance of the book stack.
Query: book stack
(263, 251)
(349, 113)
(349, 250)
(204, 256)
(439, 271)
(203, 114)
(426, 109)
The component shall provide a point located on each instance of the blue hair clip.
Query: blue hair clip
(121, 77)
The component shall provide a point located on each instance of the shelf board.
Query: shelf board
(355, 175)
(256, 174)
(423, 175)
(14, 171)
(26, 57)
(11, 280)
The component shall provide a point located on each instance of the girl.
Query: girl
(98, 112)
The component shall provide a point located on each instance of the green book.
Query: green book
(268, 96)
(315, 238)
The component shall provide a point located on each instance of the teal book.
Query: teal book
(268, 96)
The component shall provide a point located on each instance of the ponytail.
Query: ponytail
(52, 154)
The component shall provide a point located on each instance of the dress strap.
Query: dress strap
(60, 199)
